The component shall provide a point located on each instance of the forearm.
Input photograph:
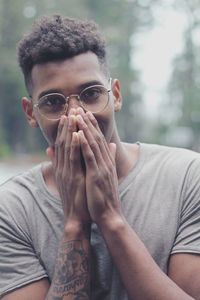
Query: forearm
(71, 278)
(141, 276)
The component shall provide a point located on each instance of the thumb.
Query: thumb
(50, 153)
(112, 148)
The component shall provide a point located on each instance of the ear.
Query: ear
(27, 106)
(116, 90)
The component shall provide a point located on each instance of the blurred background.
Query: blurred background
(153, 48)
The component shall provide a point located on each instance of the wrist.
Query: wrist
(112, 224)
(76, 229)
(115, 231)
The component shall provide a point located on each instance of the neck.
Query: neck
(126, 157)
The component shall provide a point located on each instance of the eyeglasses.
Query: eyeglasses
(94, 98)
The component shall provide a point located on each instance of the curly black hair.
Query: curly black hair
(54, 38)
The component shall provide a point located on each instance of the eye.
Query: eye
(52, 103)
(92, 94)
(53, 100)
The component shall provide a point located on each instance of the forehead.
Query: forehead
(66, 74)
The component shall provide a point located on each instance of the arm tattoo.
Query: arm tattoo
(71, 277)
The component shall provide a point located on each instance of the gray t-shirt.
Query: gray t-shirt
(160, 200)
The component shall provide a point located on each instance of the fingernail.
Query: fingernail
(80, 119)
(80, 110)
(80, 133)
(72, 119)
(75, 136)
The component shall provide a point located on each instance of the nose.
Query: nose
(73, 102)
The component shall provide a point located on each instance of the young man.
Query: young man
(103, 219)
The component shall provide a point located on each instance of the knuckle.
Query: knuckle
(110, 167)
(94, 121)
(70, 181)
(60, 128)
(104, 173)
(72, 159)
(93, 145)
(59, 174)
(59, 143)
(107, 172)
(98, 139)
(67, 149)
(56, 144)
(90, 157)
(95, 178)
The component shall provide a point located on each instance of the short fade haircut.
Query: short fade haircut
(55, 38)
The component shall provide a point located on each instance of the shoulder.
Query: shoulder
(17, 193)
(20, 231)
(21, 182)
(175, 167)
(173, 155)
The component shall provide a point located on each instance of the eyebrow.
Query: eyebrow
(79, 88)
(50, 91)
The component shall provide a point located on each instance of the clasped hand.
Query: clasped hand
(84, 169)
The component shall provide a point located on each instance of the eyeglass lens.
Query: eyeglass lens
(93, 99)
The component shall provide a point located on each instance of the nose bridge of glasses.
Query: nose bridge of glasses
(73, 100)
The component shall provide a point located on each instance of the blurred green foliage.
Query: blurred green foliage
(183, 106)
(120, 21)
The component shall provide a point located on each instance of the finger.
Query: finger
(88, 117)
(72, 112)
(80, 111)
(94, 122)
(96, 140)
(112, 149)
(75, 154)
(88, 155)
(59, 142)
(70, 129)
(50, 153)
(92, 138)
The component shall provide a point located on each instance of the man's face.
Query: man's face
(68, 77)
